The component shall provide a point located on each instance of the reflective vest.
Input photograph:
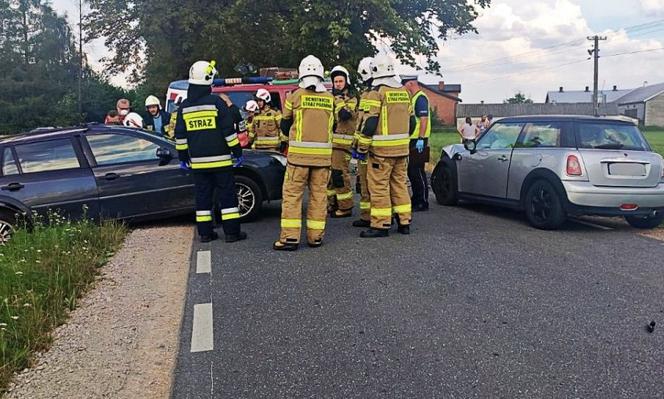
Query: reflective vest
(204, 131)
(310, 136)
(418, 122)
(345, 130)
(266, 129)
(393, 108)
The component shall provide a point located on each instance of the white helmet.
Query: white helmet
(311, 66)
(364, 68)
(383, 67)
(251, 106)
(202, 73)
(340, 70)
(133, 120)
(264, 95)
(152, 100)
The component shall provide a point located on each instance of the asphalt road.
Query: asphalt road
(474, 303)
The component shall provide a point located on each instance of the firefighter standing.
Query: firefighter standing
(386, 135)
(266, 124)
(251, 108)
(308, 120)
(419, 140)
(340, 192)
(157, 119)
(205, 139)
(364, 70)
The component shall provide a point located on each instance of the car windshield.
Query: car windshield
(611, 136)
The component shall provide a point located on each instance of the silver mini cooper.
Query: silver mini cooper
(552, 167)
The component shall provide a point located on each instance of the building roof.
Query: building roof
(445, 93)
(642, 94)
(582, 96)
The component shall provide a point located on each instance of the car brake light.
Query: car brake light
(573, 166)
(629, 207)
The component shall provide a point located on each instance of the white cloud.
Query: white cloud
(652, 7)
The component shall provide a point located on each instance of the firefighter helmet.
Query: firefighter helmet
(364, 68)
(152, 100)
(383, 67)
(264, 95)
(133, 120)
(340, 70)
(251, 106)
(311, 66)
(202, 73)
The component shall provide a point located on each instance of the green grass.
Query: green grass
(445, 136)
(42, 274)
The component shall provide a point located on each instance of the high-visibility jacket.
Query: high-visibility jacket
(392, 108)
(310, 135)
(344, 129)
(205, 135)
(362, 112)
(266, 128)
(170, 129)
(418, 122)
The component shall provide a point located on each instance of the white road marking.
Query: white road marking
(597, 226)
(201, 334)
(203, 262)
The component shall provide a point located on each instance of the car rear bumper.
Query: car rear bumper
(589, 199)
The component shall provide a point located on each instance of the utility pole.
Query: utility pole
(595, 53)
(80, 58)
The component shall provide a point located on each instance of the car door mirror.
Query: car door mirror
(470, 145)
(164, 155)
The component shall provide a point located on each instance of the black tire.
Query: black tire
(646, 222)
(7, 225)
(250, 198)
(544, 206)
(444, 183)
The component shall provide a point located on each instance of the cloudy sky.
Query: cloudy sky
(538, 45)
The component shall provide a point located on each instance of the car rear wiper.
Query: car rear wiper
(612, 146)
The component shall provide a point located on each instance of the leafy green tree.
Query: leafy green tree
(157, 40)
(518, 98)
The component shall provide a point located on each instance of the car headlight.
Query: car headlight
(282, 159)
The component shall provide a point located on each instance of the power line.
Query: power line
(634, 52)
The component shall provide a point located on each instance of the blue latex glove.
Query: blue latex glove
(358, 155)
(419, 145)
(184, 165)
(237, 162)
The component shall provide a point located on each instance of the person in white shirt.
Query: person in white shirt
(468, 131)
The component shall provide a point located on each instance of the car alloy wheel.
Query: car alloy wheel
(542, 204)
(246, 199)
(6, 230)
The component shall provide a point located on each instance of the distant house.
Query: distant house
(583, 96)
(644, 103)
(443, 100)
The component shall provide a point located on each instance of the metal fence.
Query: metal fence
(504, 110)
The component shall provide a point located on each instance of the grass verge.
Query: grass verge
(42, 274)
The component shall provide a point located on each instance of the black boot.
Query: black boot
(404, 229)
(236, 237)
(208, 238)
(284, 246)
(315, 244)
(361, 223)
(374, 233)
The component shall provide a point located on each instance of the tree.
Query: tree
(518, 98)
(157, 40)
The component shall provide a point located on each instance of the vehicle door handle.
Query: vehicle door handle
(502, 158)
(111, 176)
(13, 187)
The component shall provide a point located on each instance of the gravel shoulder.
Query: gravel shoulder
(122, 340)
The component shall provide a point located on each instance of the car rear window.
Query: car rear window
(611, 136)
(46, 156)
(9, 163)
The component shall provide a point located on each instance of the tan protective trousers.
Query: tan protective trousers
(388, 188)
(365, 198)
(297, 179)
(339, 191)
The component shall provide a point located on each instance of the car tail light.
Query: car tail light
(573, 166)
(629, 207)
